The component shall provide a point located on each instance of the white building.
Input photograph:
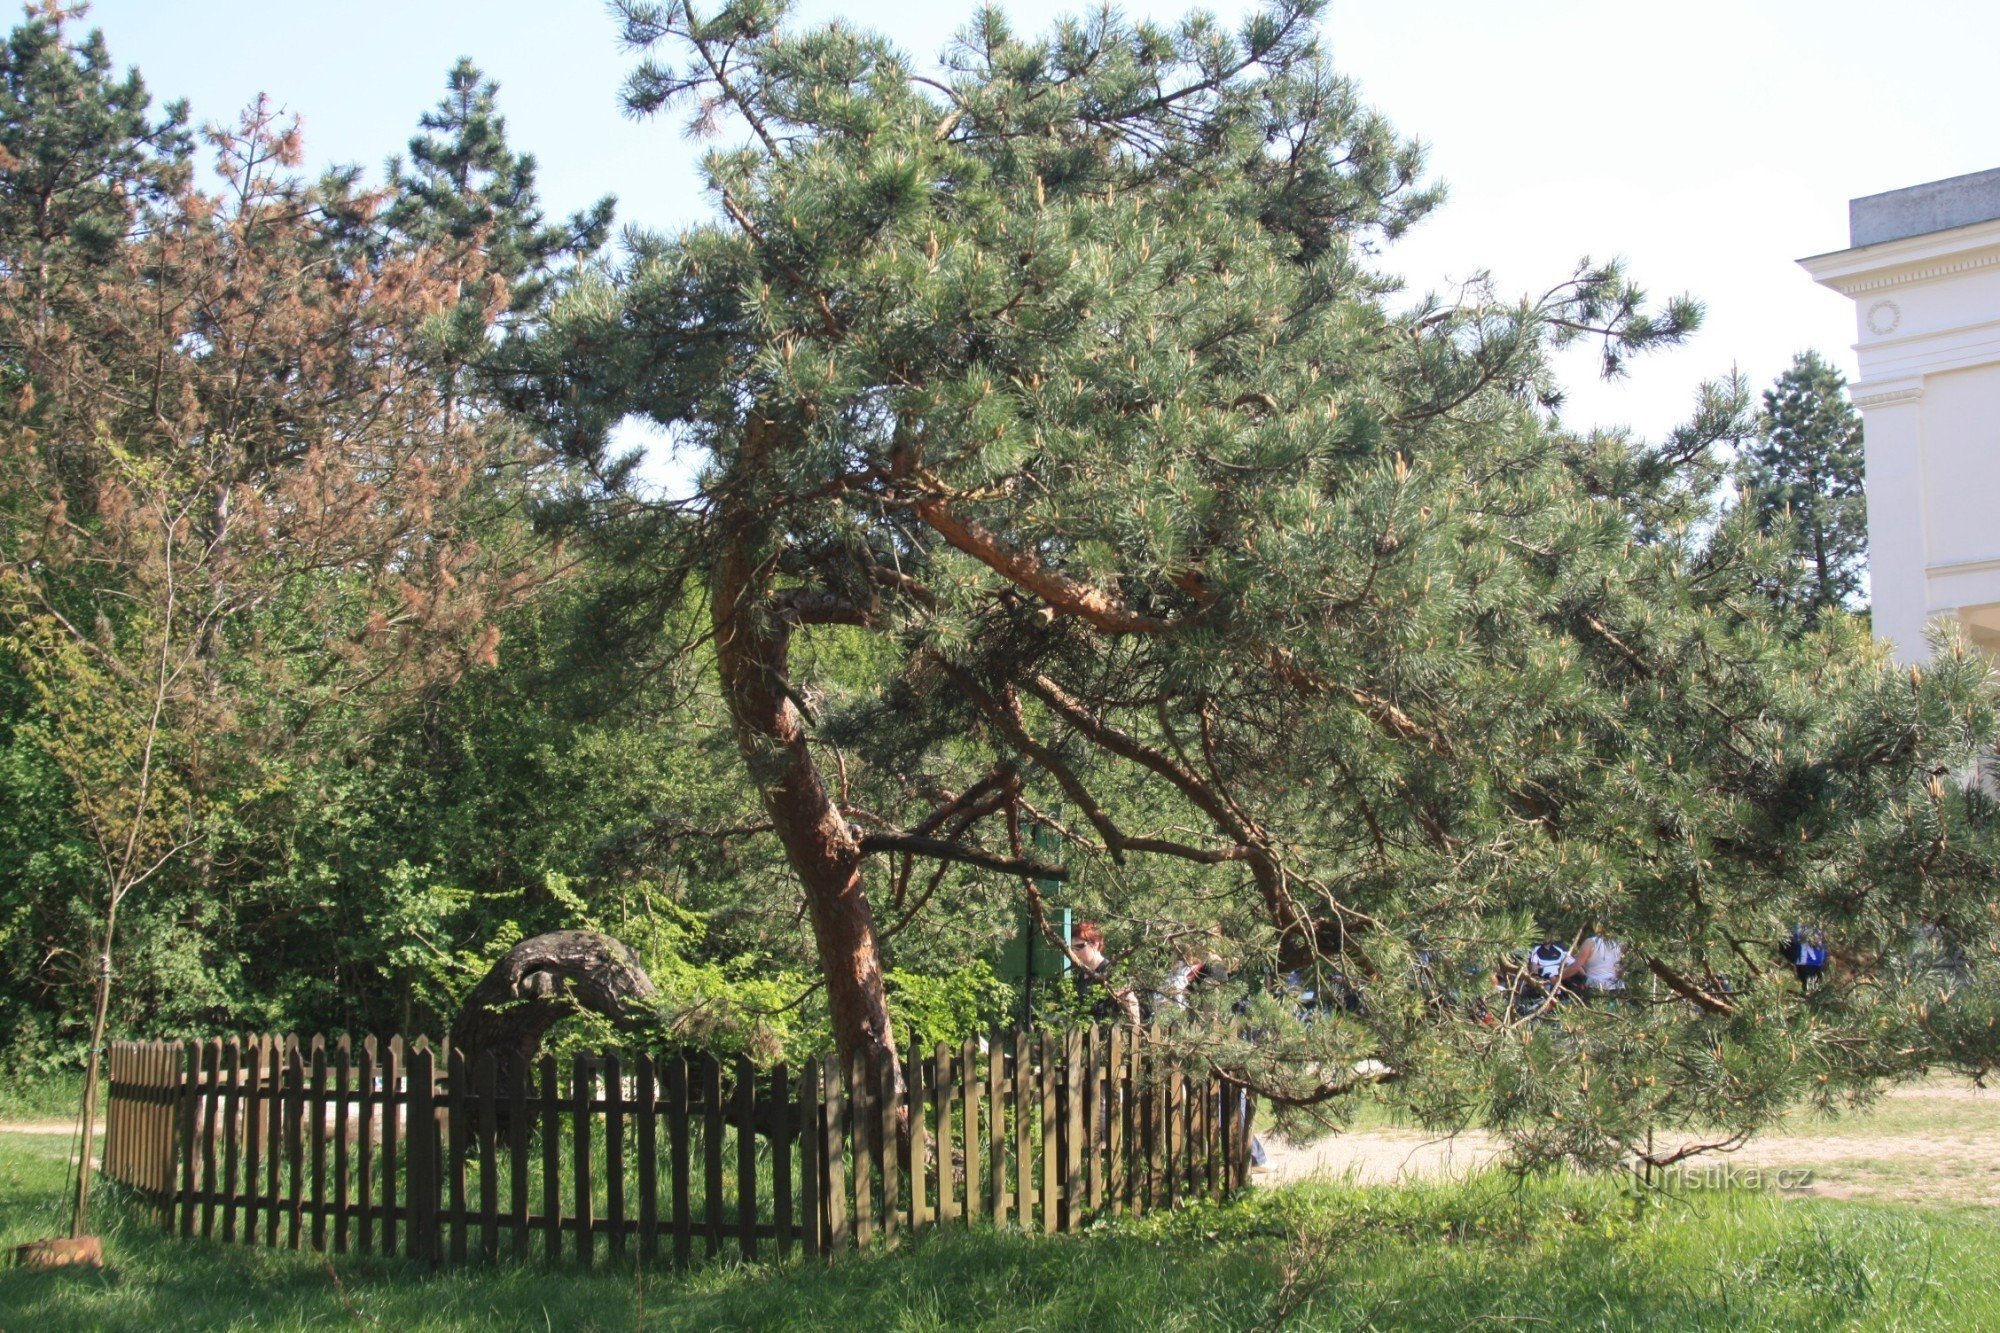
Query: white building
(1924, 274)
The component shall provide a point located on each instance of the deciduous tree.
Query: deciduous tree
(233, 498)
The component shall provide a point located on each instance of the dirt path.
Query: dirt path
(42, 1127)
(1937, 1142)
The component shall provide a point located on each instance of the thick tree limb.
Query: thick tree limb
(1690, 992)
(1103, 610)
(1126, 746)
(1007, 717)
(952, 851)
(981, 798)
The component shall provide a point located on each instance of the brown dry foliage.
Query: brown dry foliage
(232, 436)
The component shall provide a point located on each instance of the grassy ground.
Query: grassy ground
(44, 1099)
(1568, 1253)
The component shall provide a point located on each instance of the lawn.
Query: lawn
(1492, 1250)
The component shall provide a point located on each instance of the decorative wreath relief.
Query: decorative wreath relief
(1884, 317)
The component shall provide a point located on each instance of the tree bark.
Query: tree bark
(79, 1217)
(542, 981)
(752, 648)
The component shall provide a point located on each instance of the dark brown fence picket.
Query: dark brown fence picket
(919, 1140)
(358, 1148)
(711, 1153)
(395, 1121)
(677, 1131)
(646, 1094)
(420, 1239)
(782, 1128)
(520, 1117)
(996, 1128)
(343, 1078)
(885, 1144)
(859, 1131)
(485, 1084)
(272, 1201)
(614, 1157)
(454, 1171)
(552, 1205)
(364, 1147)
(581, 1077)
(746, 1157)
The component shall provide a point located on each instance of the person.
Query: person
(1599, 961)
(1201, 969)
(1179, 982)
(1093, 978)
(1554, 966)
(1806, 952)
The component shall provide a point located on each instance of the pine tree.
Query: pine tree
(1066, 382)
(83, 161)
(1803, 478)
(463, 185)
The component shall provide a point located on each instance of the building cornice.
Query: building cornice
(1873, 268)
(1886, 393)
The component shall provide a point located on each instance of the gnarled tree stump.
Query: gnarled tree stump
(542, 981)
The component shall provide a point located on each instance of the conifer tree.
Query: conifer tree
(465, 191)
(1803, 477)
(83, 161)
(1067, 379)
(464, 185)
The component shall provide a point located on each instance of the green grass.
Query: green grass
(55, 1097)
(1936, 1106)
(1563, 1253)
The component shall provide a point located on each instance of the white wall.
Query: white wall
(1927, 319)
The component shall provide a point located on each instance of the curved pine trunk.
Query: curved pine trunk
(752, 646)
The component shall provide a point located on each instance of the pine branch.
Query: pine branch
(942, 850)
(1066, 596)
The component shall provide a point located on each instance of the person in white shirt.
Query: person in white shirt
(1599, 963)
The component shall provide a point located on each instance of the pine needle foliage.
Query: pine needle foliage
(1802, 474)
(1070, 376)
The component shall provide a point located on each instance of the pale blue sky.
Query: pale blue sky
(1710, 142)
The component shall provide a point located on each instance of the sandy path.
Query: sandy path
(1953, 1163)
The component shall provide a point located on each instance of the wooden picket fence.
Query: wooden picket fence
(377, 1147)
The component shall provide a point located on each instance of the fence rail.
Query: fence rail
(379, 1147)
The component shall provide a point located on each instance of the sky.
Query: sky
(1709, 144)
